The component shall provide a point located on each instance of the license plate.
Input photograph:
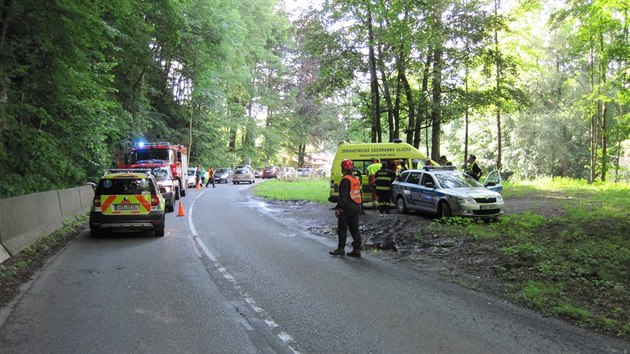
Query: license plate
(126, 207)
(483, 207)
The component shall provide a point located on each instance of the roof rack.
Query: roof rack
(129, 170)
(439, 168)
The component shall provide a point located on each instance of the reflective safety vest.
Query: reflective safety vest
(355, 188)
(384, 179)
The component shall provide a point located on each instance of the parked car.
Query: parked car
(164, 179)
(127, 201)
(270, 172)
(191, 179)
(258, 173)
(243, 175)
(287, 174)
(448, 192)
(223, 175)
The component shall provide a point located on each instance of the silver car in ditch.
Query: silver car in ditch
(447, 192)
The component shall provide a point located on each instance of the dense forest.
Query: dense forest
(532, 87)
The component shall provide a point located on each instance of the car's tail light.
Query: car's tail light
(155, 200)
(96, 202)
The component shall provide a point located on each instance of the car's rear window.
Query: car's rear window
(127, 186)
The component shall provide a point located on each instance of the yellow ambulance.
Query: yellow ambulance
(362, 154)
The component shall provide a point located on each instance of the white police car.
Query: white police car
(448, 192)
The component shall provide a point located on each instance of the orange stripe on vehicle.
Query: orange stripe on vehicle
(107, 202)
(146, 204)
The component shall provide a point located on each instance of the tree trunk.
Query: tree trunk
(604, 132)
(375, 99)
(466, 121)
(422, 102)
(436, 112)
(391, 122)
(594, 124)
(499, 74)
(301, 154)
(410, 107)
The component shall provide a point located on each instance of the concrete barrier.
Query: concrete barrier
(25, 219)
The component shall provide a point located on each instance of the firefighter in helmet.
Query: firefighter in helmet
(347, 210)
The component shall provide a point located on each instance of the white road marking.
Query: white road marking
(197, 242)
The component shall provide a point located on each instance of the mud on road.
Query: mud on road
(410, 241)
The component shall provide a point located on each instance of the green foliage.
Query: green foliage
(80, 81)
(540, 294)
(585, 246)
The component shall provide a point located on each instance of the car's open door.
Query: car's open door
(493, 181)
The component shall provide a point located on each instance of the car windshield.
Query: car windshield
(127, 186)
(241, 170)
(456, 180)
(149, 154)
(160, 174)
(222, 170)
(191, 172)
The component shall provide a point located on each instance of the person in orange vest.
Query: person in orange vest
(210, 177)
(347, 211)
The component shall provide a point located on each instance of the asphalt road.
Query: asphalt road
(229, 277)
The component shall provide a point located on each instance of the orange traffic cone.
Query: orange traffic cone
(181, 209)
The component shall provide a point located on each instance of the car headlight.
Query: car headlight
(499, 199)
(466, 200)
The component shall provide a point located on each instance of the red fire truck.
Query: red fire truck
(160, 154)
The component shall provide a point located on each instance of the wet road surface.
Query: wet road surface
(233, 277)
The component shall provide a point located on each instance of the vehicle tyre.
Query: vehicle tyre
(159, 230)
(96, 233)
(401, 206)
(184, 190)
(234, 182)
(177, 195)
(170, 207)
(445, 210)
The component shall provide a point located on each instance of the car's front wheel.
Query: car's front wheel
(445, 210)
(401, 206)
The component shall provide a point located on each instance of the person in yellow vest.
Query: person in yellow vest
(371, 172)
(384, 179)
(347, 211)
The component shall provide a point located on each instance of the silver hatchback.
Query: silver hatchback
(448, 192)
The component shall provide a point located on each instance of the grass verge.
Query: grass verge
(575, 266)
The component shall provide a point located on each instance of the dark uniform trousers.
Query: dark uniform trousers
(349, 219)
